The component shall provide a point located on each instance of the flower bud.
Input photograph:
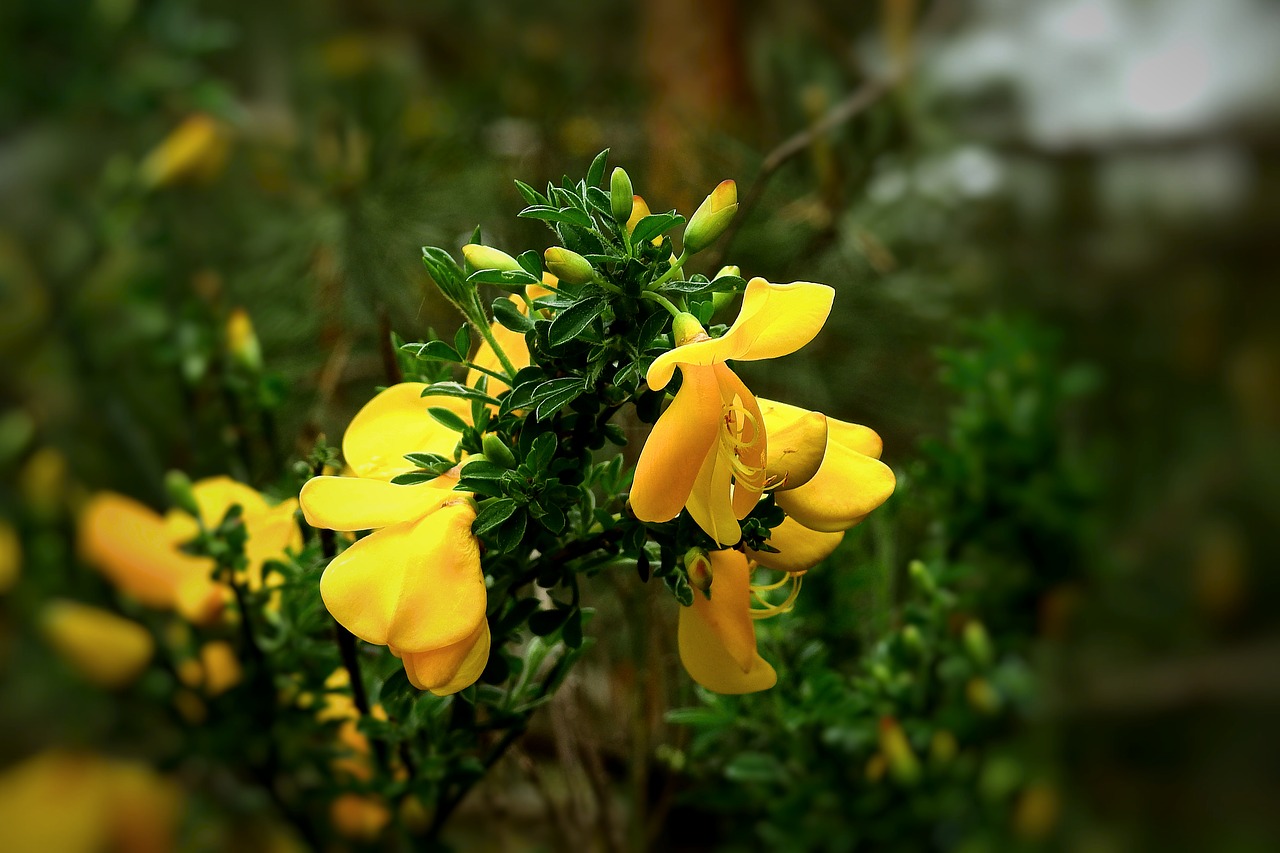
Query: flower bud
(178, 485)
(685, 329)
(912, 641)
(924, 579)
(712, 217)
(497, 452)
(903, 764)
(569, 267)
(242, 341)
(488, 258)
(731, 269)
(108, 650)
(698, 565)
(194, 152)
(621, 198)
(978, 644)
(10, 556)
(983, 696)
(721, 298)
(639, 210)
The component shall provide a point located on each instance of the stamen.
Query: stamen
(770, 610)
(732, 444)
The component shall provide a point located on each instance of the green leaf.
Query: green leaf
(506, 313)
(703, 717)
(493, 515)
(542, 451)
(413, 478)
(651, 226)
(511, 532)
(531, 262)
(569, 216)
(448, 418)
(431, 461)
(432, 351)
(482, 469)
(754, 767)
(555, 393)
(445, 271)
(570, 322)
(531, 196)
(572, 633)
(503, 278)
(456, 389)
(724, 284)
(520, 396)
(462, 340)
(595, 174)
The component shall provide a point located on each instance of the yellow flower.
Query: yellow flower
(10, 556)
(512, 343)
(215, 671)
(85, 803)
(360, 817)
(708, 450)
(140, 552)
(108, 650)
(194, 152)
(716, 634)
(849, 483)
(415, 584)
(131, 546)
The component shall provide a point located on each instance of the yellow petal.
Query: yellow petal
(215, 495)
(447, 670)
(856, 437)
(221, 667)
(681, 439)
(847, 487)
(200, 600)
(799, 548)
(710, 501)
(271, 534)
(749, 437)
(797, 443)
(394, 423)
(130, 545)
(54, 801)
(716, 635)
(108, 650)
(416, 586)
(10, 556)
(360, 817)
(357, 503)
(775, 320)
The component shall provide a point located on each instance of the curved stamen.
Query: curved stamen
(770, 610)
(732, 443)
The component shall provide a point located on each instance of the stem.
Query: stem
(351, 661)
(495, 374)
(487, 334)
(678, 266)
(663, 301)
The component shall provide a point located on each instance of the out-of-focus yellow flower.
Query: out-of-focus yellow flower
(43, 481)
(716, 634)
(57, 801)
(216, 670)
(360, 817)
(708, 450)
(140, 552)
(194, 152)
(108, 650)
(242, 341)
(849, 483)
(415, 584)
(10, 557)
(341, 707)
(903, 763)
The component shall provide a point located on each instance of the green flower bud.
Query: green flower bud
(569, 267)
(497, 452)
(488, 258)
(620, 195)
(712, 217)
(978, 644)
(923, 577)
(242, 341)
(178, 485)
(983, 696)
(685, 328)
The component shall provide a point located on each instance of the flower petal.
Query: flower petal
(750, 439)
(415, 585)
(681, 439)
(271, 534)
(108, 650)
(856, 437)
(799, 548)
(395, 422)
(710, 502)
(357, 503)
(130, 545)
(716, 635)
(847, 487)
(775, 320)
(450, 669)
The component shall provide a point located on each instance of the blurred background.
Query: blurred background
(1051, 227)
